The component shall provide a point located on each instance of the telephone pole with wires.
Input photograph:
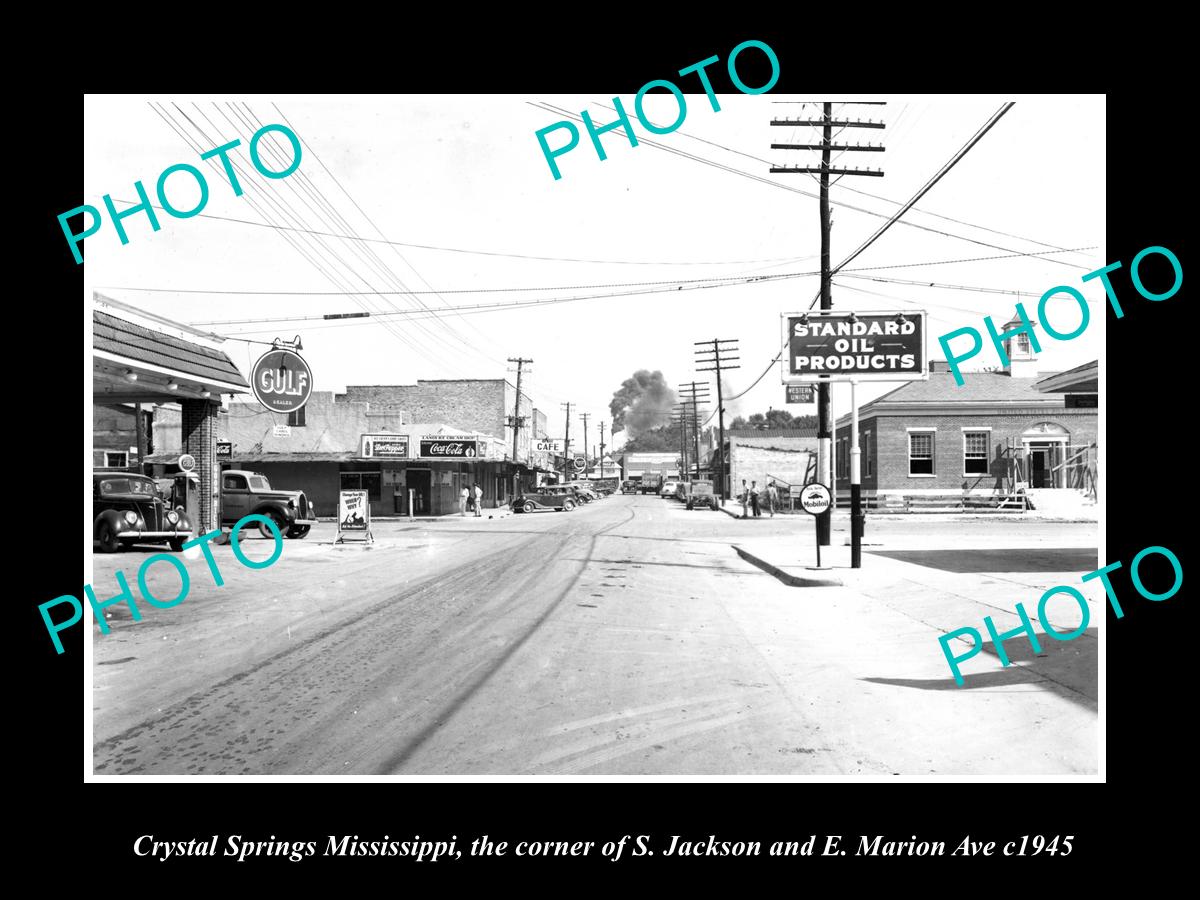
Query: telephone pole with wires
(680, 415)
(824, 424)
(586, 467)
(695, 392)
(566, 441)
(713, 361)
(517, 421)
(602, 449)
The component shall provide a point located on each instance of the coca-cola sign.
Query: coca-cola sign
(442, 448)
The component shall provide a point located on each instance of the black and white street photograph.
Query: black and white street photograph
(703, 432)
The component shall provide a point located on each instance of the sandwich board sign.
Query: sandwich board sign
(354, 515)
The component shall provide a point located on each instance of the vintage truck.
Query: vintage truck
(651, 482)
(246, 493)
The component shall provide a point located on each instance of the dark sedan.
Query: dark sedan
(128, 509)
(560, 497)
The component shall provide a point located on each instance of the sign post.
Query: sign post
(853, 346)
(815, 500)
(354, 515)
(856, 510)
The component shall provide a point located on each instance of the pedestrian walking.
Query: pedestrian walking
(754, 499)
(462, 500)
(772, 497)
(745, 498)
(478, 498)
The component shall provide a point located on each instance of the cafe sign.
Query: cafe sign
(282, 381)
(449, 446)
(854, 346)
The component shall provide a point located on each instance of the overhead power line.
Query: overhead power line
(547, 107)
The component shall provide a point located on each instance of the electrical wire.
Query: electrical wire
(763, 180)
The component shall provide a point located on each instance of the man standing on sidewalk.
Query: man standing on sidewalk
(745, 497)
(462, 500)
(754, 499)
(478, 499)
(772, 497)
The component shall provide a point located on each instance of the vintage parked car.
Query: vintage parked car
(681, 490)
(629, 487)
(584, 492)
(700, 493)
(668, 487)
(129, 510)
(249, 493)
(549, 496)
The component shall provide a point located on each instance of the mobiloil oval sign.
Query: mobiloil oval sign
(282, 381)
(860, 346)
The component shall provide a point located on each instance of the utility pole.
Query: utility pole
(824, 434)
(680, 417)
(586, 467)
(516, 421)
(693, 393)
(602, 446)
(567, 440)
(715, 362)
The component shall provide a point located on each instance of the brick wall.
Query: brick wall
(113, 428)
(199, 439)
(762, 458)
(332, 424)
(889, 446)
(475, 405)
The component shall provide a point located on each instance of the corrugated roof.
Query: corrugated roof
(771, 432)
(136, 342)
(977, 387)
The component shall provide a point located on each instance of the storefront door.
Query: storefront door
(419, 483)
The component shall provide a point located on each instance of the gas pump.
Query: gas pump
(185, 495)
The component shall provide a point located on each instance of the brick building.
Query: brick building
(994, 435)
(784, 455)
(474, 405)
(115, 436)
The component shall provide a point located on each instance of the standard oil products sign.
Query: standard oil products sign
(859, 346)
(449, 446)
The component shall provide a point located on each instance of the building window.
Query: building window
(975, 452)
(371, 482)
(296, 418)
(920, 453)
(868, 459)
(115, 459)
(1022, 342)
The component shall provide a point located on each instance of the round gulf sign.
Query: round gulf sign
(281, 380)
(815, 499)
(580, 463)
(187, 462)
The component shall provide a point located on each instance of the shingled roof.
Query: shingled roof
(132, 341)
(977, 387)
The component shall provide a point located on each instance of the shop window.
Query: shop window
(371, 482)
(296, 417)
(975, 452)
(115, 459)
(920, 453)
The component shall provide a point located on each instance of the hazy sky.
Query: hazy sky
(466, 172)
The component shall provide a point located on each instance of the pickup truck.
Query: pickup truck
(246, 493)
